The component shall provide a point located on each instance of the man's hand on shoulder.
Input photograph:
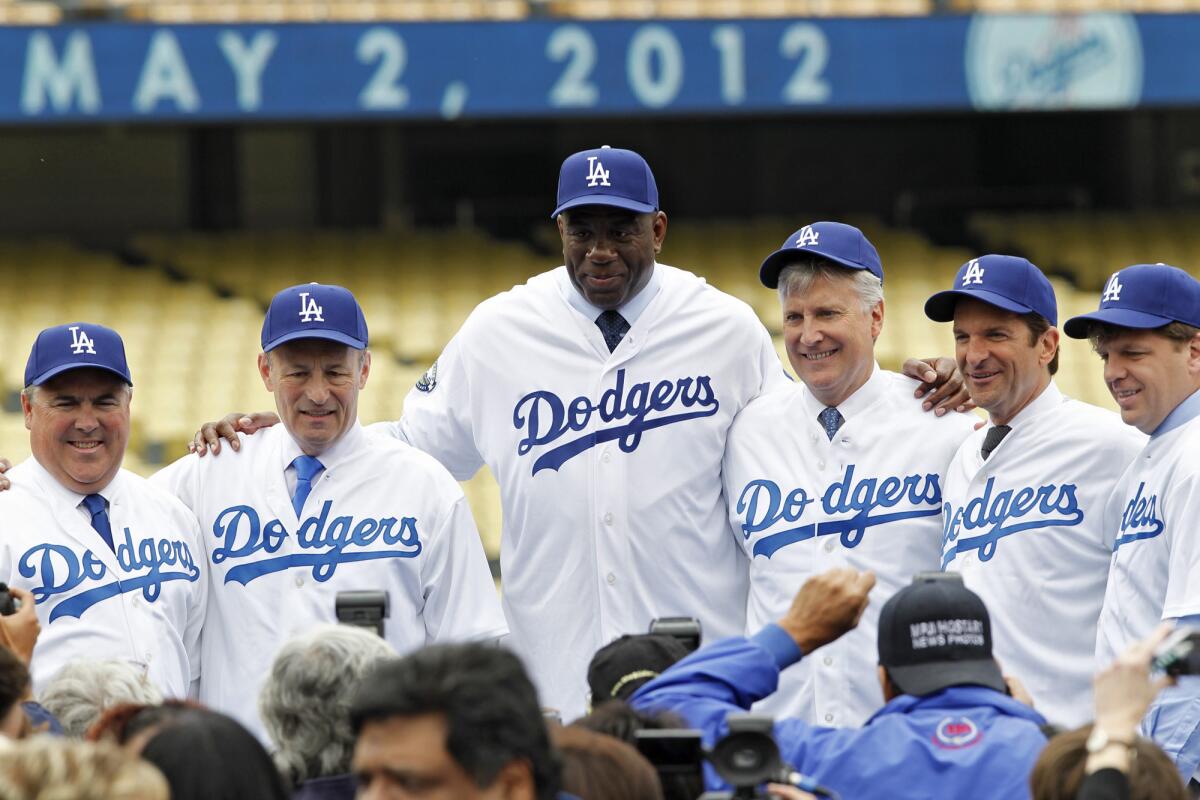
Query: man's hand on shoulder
(5, 466)
(827, 606)
(941, 384)
(209, 437)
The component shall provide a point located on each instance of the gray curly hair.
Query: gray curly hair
(305, 702)
(83, 690)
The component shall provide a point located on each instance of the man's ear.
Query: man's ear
(514, 782)
(264, 369)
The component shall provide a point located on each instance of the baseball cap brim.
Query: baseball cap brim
(923, 679)
(605, 200)
(773, 264)
(940, 307)
(61, 368)
(1077, 327)
(333, 336)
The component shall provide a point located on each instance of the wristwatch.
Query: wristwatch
(1101, 739)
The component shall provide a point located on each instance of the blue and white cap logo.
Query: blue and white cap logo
(76, 345)
(1142, 297)
(1112, 289)
(314, 311)
(808, 237)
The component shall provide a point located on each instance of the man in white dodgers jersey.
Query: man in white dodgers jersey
(1147, 332)
(600, 394)
(1025, 496)
(316, 506)
(114, 564)
(840, 470)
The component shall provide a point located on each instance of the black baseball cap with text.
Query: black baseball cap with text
(935, 633)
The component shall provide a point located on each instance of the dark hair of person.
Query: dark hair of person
(622, 721)
(1180, 333)
(209, 756)
(599, 767)
(1037, 325)
(1060, 770)
(489, 704)
(14, 680)
(125, 721)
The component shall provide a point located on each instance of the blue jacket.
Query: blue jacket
(964, 741)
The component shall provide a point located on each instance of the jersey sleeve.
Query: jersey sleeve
(194, 627)
(437, 416)
(460, 596)
(772, 371)
(1183, 567)
(181, 479)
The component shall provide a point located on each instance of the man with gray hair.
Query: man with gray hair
(853, 481)
(81, 691)
(305, 707)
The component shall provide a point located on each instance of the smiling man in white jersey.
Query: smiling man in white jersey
(1025, 496)
(1147, 332)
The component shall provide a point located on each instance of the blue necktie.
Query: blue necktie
(613, 327)
(97, 506)
(831, 419)
(306, 469)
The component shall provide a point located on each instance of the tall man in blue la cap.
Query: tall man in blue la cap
(600, 394)
(1025, 496)
(861, 495)
(114, 564)
(1147, 333)
(315, 507)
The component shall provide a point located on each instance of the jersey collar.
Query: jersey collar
(1049, 399)
(340, 451)
(862, 399)
(61, 496)
(1182, 414)
(630, 310)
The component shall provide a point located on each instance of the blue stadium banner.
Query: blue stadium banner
(540, 68)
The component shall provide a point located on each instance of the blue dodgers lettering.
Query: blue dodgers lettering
(242, 535)
(763, 505)
(546, 417)
(62, 570)
(1053, 504)
(1140, 519)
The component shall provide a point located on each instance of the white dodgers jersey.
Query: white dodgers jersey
(801, 504)
(1026, 530)
(382, 516)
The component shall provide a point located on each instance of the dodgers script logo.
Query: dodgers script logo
(546, 417)
(955, 733)
(1140, 519)
(324, 543)
(62, 570)
(81, 343)
(1053, 504)
(762, 505)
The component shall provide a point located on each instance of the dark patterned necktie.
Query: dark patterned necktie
(993, 439)
(613, 326)
(831, 419)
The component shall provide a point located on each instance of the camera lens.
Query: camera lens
(746, 758)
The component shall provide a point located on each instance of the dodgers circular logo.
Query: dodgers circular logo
(955, 733)
(1054, 61)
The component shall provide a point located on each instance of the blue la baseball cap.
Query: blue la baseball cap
(1143, 296)
(74, 346)
(314, 311)
(606, 176)
(1007, 282)
(835, 241)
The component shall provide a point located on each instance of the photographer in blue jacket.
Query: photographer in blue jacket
(952, 725)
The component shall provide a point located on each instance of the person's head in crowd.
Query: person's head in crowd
(48, 768)
(599, 767)
(315, 361)
(917, 656)
(305, 702)
(1147, 331)
(622, 721)
(830, 283)
(459, 721)
(132, 724)
(209, 756)
(81, 691)
(14, 688)
(624, 664)
(1006, 340)
(76, 404)
(1060, 770)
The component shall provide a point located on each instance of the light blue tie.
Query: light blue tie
(306, 469)
(831, 419)
(97, 506)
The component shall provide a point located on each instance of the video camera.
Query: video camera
(746, 758)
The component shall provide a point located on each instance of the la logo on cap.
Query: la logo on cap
(80, 342)
(597, 174)
(1112, 289)
(808, 237)
(974, 274)
(309, 310)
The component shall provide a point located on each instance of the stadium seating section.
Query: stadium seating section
(41, 12)
(190, 311)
